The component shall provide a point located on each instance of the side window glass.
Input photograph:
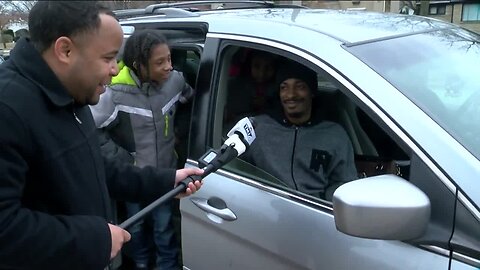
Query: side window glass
(311, 138)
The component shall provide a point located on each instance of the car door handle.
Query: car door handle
(214, 206)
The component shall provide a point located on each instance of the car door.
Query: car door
(244, 218)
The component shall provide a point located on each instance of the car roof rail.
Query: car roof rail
(140, 12)
(234, 4)
(239, 3)
(187, 9)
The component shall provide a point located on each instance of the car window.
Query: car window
(444, 85)
(373, 151)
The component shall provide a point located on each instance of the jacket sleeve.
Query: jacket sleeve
(187, 92)
(105, 115)
(133, 184)
(112, 150)
(343, 169)
(33, 239)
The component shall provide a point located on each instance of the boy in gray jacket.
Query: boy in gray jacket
(295, 145)
(136, 117)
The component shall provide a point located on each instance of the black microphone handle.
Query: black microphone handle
(140, 214)
(181, 187)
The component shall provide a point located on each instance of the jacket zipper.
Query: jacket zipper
(165, 132)
(293, 156)
(154, 126)
(76, 117)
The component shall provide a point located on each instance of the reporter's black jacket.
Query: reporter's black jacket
(55, 187)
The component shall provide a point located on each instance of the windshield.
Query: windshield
(440, 72)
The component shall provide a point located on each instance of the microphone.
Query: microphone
(241, 135)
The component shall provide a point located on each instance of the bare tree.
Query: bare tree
(12, 12)
(3, 19)
(18, 6)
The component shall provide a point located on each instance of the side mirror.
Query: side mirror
(382, 207)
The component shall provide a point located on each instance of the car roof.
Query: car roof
(347, 26)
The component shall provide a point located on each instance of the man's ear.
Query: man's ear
(62, 49)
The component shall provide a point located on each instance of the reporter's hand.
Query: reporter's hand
(119, 237)
(193, 186)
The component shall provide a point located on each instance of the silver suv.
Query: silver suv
(404, 88)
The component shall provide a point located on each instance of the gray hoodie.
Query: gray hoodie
(314, 158)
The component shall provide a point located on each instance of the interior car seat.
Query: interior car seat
(338, 108)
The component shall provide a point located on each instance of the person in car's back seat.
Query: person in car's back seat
(295, 145)
(253, 87)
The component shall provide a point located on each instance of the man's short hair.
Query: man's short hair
(49, 20)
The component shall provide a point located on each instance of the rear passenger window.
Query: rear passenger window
(311, 138)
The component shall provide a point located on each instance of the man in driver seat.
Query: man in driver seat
(295, 145)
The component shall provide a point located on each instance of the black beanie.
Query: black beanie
(295, 70)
